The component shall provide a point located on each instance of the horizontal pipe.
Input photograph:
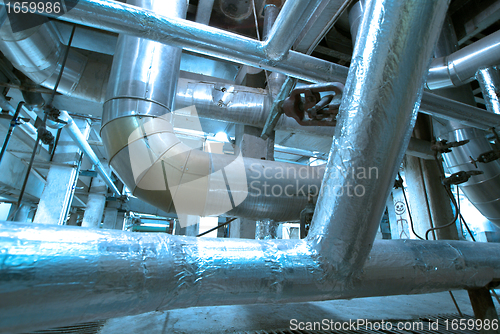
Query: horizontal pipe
(62, 275)
(461, 66)
(122, 18)
(75, 134)
(96, 76)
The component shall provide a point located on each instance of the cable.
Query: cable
(409, 213)
(456, 305)
(462, 220)
(216, 227)
(452, 198)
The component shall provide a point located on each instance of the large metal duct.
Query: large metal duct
(482, 190)
(61, 275)
(38, 52)
(461, 66)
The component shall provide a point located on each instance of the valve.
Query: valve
(311, 108)
(443, 146)
(487, 157)
(460, 177)
(45, 136)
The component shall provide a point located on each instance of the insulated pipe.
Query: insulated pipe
(62, 275)
(79, 139)
(275, 80)
(292, 19)
(251, 106)
(377, 114)
(122, 18)
(38, 52)
(461, 66)
(481, 190)
(489, 80)
(204, 11)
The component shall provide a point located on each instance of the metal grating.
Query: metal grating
(441, 320)
(84, 328)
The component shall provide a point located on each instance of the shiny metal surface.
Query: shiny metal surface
(489, 80)
(38, 53)
(99, 274)
(275, 80)
(293, 18)
(123, 18)
(318, 25)
(461, 66)
(378, 112)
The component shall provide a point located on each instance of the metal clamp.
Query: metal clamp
(443, 146)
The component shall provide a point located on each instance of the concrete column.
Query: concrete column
(417, 195)
(242, 228)
(191, 227)
(73, 217)
(60, 187)
(95, 203)
(398, 215)
(110, 218)
(120, 220)
(22, 214)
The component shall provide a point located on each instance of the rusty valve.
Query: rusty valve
(307, 107)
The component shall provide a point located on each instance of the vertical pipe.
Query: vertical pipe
(489, 80)
(204, 11)
(275, 79)
(378, 111)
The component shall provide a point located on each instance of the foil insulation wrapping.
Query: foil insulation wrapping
(378, 111)
(61, 275)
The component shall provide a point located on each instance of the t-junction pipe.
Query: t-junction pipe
(377, 115)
